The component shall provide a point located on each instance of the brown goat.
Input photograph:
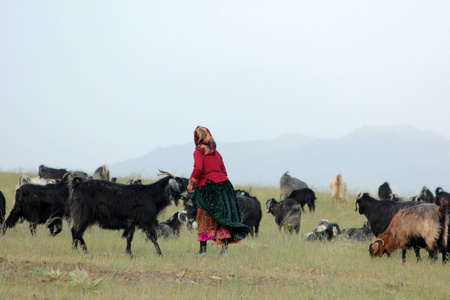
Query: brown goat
(423, 225)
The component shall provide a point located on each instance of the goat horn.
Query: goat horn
(379, 240)
(360, 195)
(179, 213)
(165, 173)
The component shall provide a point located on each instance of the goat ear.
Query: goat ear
(174, 184)
(373, 249)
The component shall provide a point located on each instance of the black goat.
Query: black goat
(190, 207)
(39, 204)
(441, 194)
(117, 206)
(287, 214)
(379, 213)
(304, 197)
(50, 173)
(396, 198)
(426, 195)
(250, 206)
(247, 193)
(251, 212)
(384, 191)
(440, 197)
(359, 234)
(172, 227)
(2, 208)
(134, 181)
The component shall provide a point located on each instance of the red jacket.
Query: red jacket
(208, 167)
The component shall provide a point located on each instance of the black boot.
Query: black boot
(224, 251)
(202, 252)
(224, 246)
(202, 247)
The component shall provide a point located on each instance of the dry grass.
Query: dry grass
(271, 266)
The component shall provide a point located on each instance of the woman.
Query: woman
(219, 215)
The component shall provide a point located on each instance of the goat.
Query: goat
(116, 206)
(102, 173)
(190, 207)
(287, 214)
(338, 188)
(395, 197)
(304, 197)
(324, 231)
(51, 173)
(379, 213)
(439, 190)
(2, 208)
(415, 199)
(426, 195)
(24, 179)
(358, 234)
(424, 225)
(440, 197)
(247, 193)
(441, 194)
(134, 181)
(288, 184)
(384, 191)
(172, 227)
(39, 204)
(251, 213)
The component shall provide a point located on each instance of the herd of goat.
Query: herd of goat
(420, 222)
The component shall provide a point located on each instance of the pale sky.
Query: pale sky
(84, 83)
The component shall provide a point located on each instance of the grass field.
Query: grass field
(272, 266)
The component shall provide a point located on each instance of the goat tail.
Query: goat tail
(11, 220)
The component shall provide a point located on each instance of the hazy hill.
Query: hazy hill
(404, 156)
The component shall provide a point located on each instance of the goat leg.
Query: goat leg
(417, 251)
(129, 236)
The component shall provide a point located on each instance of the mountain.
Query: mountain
(405, 157)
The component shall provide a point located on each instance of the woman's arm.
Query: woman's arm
(196, 173)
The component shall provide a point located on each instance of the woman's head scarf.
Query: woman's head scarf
(204, 140)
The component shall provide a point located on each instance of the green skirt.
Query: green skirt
(220, 202)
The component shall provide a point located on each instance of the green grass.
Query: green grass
(272, 266)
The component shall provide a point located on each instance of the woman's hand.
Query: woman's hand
(190, 187)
